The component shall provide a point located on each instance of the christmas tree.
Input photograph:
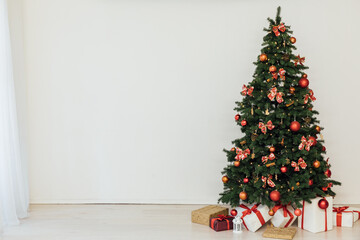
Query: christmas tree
(280, 159)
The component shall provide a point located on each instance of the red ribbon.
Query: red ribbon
(301, 163)
(269, 181)
(242, 154)
(269, 125)
(300, 60)
(358, 212)
(310, 95)
(278, 28)
(274, 93)
(302, 216)
(221, 218)
(247, 90)
(248, 211)
(286, 212)
(305, 143)
(339, 212)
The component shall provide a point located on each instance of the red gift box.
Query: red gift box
(221, 223)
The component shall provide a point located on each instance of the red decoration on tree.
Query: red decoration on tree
(237, 163)
(237, 117)
(283, 169)
(243, 195)
(323, 148)
(275, 196)
(274, 93)
(295, 126)
(271, 156)
(300, 164)
(243, 123)
(233, 212)
(297, 212)
(225, 179)
(316, 164)
(233, 149)
(293, 40)
(246, 180)
(323, 204)
(272, 149)
(271, 212)
(328, 173)
(311, 182)
(313, 139)
(303, 82)
(263, 57)
(269, 125)
(272, 68)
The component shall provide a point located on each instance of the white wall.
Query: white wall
(131, 101)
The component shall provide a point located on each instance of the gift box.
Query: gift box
(315, 219)
(342, 217)
(203, 215)
(253, 216)
(221, 223)
(356, 213)
(284, 216)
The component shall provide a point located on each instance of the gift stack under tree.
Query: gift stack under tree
(277, 171)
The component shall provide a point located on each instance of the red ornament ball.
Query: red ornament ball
(243, 195)
(237, 117)
(303, 82)
(225, 179)
(271, 212)
(233, 149)
(272, 68)
(272, 149)
(324, 189)
(311, 182)
(283, 169)
(246, 180)
(318, 128)
(304, 75)
(263, 57)
(237, 163)
(293, 40)
(328, 173)
(323, 204)
(316, 164)
(314, 140)
(233, 212)
(297, 212)
(295, 126)
(323, 149)
(275, 196)
(243, 123)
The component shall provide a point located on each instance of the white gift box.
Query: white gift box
(315, 219)
(283, 220)
(344, 218)
(356, 213)
(254, 217)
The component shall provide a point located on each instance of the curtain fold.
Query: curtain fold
(14, 198)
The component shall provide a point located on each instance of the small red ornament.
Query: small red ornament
(275, 196)
(304, 75)
(246, 180)
(293, 40)
(323, 204)
(317, 128)
(225, 179)
(272, 149)
(314, 140)
(283, 169)
(328, 173)
(243, 123)
(237, 117)
(292, 90)
(323, 148)
(311, 182)
(233, 149)
(271, 212)
(263, 57)
(303, 82)
(243, 195)
(316, 164)
(297, 212)
(233, 212)
(237, 163)
(324, 189)
(272, 68)
(295, 126)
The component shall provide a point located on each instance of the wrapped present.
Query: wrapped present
(284, 216)
(253, 216)
(356, 213)
(342, 217)
(203, 215)
(221, 223)
(315, 219)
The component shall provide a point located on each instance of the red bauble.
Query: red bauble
(272, 68)
(237, 163)
(316, 164)
(246, 180)
(323, 149)
(263, 57)
(304, 75)
(311, 182)
(283, 169)
(237, 117)
(324, 189)
(297, 212)
(323, 204)
(233, 212)
(275, 196)
(314, 140)
(271, 212)
(272, 149)
(295, 126)
(243, 123)
(225, 179)
(243, 195)
(328, 173)
(293, 40)
(318, 129)
(303, 82)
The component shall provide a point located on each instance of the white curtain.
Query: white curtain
(14, 198)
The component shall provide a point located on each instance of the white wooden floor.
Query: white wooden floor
(160, 222)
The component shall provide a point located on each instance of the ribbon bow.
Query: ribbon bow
(274, 93)
(242, 154)
(340, 209)
(278, 28)
(286, 212)
(223, 217)
(268, 125)
(282, 73)
(299, 60)
(248, 211)
(310, 95)
(269, 181)
(339, 212)
(305, 143)
(247, 90)
(301, 163)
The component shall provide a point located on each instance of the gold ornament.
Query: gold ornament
(267, 112)
(289, 104)
(254, 136)
(243, 142)
(297, 184)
